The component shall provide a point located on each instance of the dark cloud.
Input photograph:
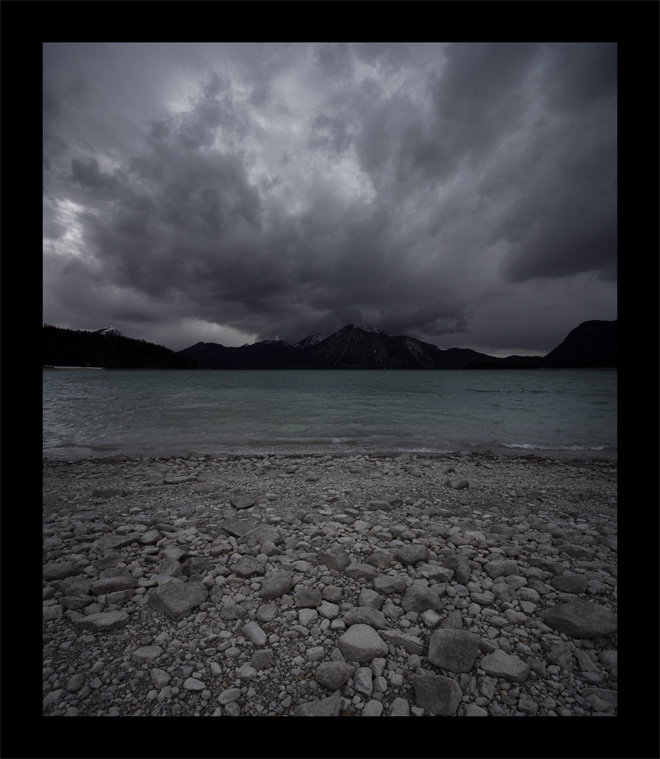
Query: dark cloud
(455, 192)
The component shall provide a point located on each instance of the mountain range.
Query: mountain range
(593, 344)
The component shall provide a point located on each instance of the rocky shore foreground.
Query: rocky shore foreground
(466, 585)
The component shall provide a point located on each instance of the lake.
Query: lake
(161, 413)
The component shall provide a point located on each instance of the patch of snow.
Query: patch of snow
(107, 331)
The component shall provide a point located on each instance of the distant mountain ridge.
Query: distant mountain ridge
(591, 345)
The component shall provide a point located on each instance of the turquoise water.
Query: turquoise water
(153, 413)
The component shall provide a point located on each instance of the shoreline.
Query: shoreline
(493, 452)
(406, 545)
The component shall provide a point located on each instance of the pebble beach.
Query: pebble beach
(324, 585)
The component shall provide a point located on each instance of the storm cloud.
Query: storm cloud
(464, 194)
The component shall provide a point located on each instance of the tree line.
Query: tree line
(70, 347)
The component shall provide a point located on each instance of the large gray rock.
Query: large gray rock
(228, 611)
(334, 558)
(453, 650)
(52, 612)
(112, 584)
(334, 674)
(308, 598)
(101, 622)
(77, 585)
(419, 597)
(255, 634)
(380, 559)
(363, 681)
(146, 654)
(159, 677)
(276, 585)
(238, 527)
(570, 583)
(326, 707)
(248, 566)
(412, 554)
(177, 598)
(460, 566)
(261, 534)
(58, 570)
(500, 664)
(358, 570)
(457, 483)
(150, 537)
(391, 584)
(400, 708)
(170, 566)
(581, 619)
(437, 695)
(501, 568)
(361, 643)
(366, 615)
(242, 501)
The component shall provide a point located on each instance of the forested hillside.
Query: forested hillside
(70, 347)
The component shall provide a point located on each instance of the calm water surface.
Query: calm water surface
(154, 413)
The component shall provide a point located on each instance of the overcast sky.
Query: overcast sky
(463, 194)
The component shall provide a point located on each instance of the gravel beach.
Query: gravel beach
(318, 585)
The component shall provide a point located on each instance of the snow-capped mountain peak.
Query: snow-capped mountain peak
(310, 340)
(107, 331)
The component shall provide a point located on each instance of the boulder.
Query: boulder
(437, 695)
(460, 566)
(361, 643)
(453, 650)
(326, 707)
(400, 708)
(412, 554)
(58, 570)
(177, 598)
(581, 619)
(357, 570)
(366, 615)
(500, 664)
(390, 584)
(457, 483)
(501, 568)
(570, 583)
(255, 634)
(101, 622)
(146, 654)
(307, 598)
(419, 597)
(334, 674)
(242, 501)
(334, 558)
(276, 584)
(248, 566)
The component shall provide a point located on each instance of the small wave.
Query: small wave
(531, 446)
